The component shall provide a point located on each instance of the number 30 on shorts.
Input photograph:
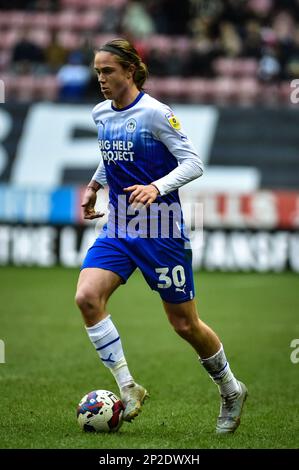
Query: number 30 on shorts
(176, 277)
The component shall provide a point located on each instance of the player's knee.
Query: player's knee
(183, 326)
(82, 299)
(87, 302)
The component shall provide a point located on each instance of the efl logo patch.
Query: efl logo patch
(173, 121)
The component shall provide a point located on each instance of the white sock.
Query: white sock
(219, 371)
(106, 340)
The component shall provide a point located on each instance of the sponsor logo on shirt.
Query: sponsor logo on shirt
(117, 150)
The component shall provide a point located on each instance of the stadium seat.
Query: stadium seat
(153, 86)
(182, 44)
(160, 42)
(41, 37)
(225, 90)
(9, 39)
(5, 19)
(47, 88)
(232, 67)
(118, 3)
(97, 3)
(270, 93)
(66, 20)
(41, 20)
(248, 91)
(224, 66)
(69, 40)
(236, 77)
(24, 87)
(285, 91)
(29, 88)
(67, 4)
(175, 86)
(89, 21)
(4, 60)
(199, 90)
(246, 67)
(91, 4)
(17, 19)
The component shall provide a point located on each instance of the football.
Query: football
(100, 411)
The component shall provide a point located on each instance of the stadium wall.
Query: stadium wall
(248, 200)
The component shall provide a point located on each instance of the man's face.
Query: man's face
(114, 80)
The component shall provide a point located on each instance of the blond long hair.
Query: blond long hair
(127, 55)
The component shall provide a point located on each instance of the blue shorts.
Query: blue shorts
(165, 263)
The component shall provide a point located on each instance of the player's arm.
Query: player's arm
(90, 196)
(167, 129)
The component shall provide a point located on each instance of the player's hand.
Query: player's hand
(88, 203)
(142, 195)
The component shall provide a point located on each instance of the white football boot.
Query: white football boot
(133, 397)
(230, 411)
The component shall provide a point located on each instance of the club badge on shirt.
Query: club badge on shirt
(131, 125)
(173, 121)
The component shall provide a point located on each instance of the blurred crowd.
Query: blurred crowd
(175, 38)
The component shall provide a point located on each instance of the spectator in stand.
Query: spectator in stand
(16, 4)
(206, 47)
(111, 20)
(252, 43)
(29, 5)
(27, 57)
(171, 17)
(156, 63)
(56, 54)
(284, 29)
(261, 9)
(292, 63)
(264, 30)
(230, 40)
(87, 50)
(136, 21)
(200, 61)
(176, 63)
(269, 69)
(73, 78)
(46, 5)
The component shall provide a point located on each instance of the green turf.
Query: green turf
(50, 363)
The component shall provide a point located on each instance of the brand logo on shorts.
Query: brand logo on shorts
(181, 289)
(131, 125)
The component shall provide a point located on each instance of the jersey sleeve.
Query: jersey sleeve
(167, 129)
(100, 174)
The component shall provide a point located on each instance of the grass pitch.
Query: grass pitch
(50, 363)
